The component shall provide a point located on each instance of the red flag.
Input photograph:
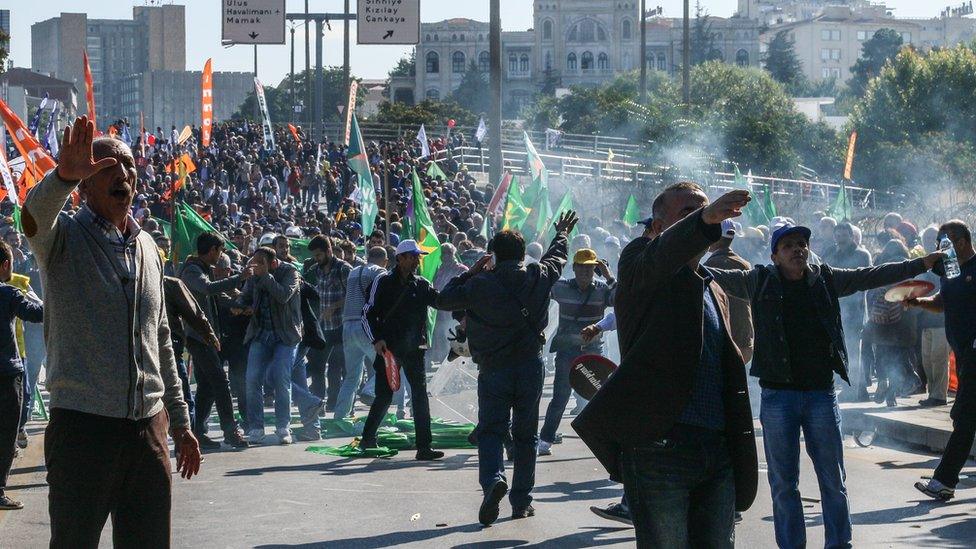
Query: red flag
(497, 200)
(90, 92)
(36, 159)
(294, 133)
(206, 107)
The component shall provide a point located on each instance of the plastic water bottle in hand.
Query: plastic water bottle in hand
(950, 263)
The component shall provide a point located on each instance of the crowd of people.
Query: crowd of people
(257, 325)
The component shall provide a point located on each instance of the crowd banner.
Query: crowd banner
(8, 180)
(37, 158)
(359, 164)
(90, 92)
(51, 135)
(351, 107)
(849, 166)
(269, 143)
(184, 134)
(482, 130)
(424, 146)
(36, 119)
(206, 104)
(294, 133)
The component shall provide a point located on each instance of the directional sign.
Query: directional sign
(252, 21)
(388, 21)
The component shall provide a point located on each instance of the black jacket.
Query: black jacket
(396, 311)
(312, 336)
(497, 331)
(14, 304)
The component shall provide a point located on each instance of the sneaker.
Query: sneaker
(207, 443)
(256, 436)
(545, 448)
(615, 511)
(236, 440)
(308, 434)
(311, 416)
(576, 410)
(926, 403)
(936, 490)
(489, 506)
(284, 436)
(429, 455)
(22, 438)
(558, 439)
(525, 512)
(7, 504)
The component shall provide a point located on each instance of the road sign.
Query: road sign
(252, 21)
(388, 22)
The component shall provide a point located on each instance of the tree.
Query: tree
(884, 45)
(703, 39)
(426, 112)
(4, 39)
(279, 97)
(470, 93)
(783, 65)
(406, 66)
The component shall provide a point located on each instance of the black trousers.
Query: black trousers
(412, 367)
(236, 356)
(212, 388)
(328, 364)
(11, 401)
(99, 466)
(963, 416)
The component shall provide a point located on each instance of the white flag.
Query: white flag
(8, 180)
(482, 130)
(424, 147)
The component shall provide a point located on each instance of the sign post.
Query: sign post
(252, 21)
(386, 22)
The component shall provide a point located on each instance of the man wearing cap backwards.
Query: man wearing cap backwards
(395, 320)
(582, 301)
(799, 347)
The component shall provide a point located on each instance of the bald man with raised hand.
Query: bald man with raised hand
(115, 392)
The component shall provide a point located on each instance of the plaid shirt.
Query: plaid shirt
(331, 288)
(123, 244)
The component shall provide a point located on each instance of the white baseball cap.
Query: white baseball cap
(409, 247)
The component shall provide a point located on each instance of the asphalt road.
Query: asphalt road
(283, 496)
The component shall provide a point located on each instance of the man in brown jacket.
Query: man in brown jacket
(673, 422)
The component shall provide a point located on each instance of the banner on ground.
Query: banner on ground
(351, 108)
(206, 104)
(90, 92)
(269, 143)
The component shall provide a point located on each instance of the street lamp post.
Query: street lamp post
(686, 54)
(643, 52)
(495, 112)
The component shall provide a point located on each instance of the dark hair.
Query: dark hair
(657, 208)
(207, 241)
(845, 226)
(319, 242)
(377, 234)
(508, 245)
(268, 253)
(956, 228)
(5, 253)
(376, 254)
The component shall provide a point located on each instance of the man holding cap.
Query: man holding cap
(799, 346)
(395, 320)
(582, 301)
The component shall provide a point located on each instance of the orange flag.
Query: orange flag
(36, 158)
(294, 133)
(206, 107)
(90, 91)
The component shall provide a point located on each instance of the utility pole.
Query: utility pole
(291, 80)
(495, 112)
(316, 125)
(345, 57)
(643, 52)
(686, 54)
(257, 108)
(308, 71)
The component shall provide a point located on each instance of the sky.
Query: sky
(203, 30)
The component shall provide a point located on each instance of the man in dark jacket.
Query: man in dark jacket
(799, 346)
(506, 312)
(740, 312)
(673, 422)
(395, 320)
(213, 387)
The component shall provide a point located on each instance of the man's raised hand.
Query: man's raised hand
(75, 161)
(567, 222)
(727, 206)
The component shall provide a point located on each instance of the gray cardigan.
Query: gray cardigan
(108, 354)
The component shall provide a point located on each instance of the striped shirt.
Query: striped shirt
(357, 291)
(578, 309)
(124, 245)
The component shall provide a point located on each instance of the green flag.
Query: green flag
(434, 171)
(299, 249)
(631, 212)
(360, 166)
(753, 214)
(537, 195)
(164, 226)
(565, 205)
(427, 241)
(768, 206)
(486, 227)
(842, 209)
(516, 212)
(18, 225)
(187, 226)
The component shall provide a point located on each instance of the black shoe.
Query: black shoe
(558, 439)
(367, 399)
(489, 506)
(207, 443)
(429, 455)
(236, 440)
(525, 512)
(615, 512)
(366, 444)
(932, 402)
(7, 504)
(473, 438)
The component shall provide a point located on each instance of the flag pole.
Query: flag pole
(386, 196)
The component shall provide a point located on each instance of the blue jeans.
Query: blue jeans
(681, 490)
(509, 393)
(304, 399)
(783, 414)
(561, 390)
(36, 354)
(357, 350)
(268, 355)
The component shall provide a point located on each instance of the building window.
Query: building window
(548, 61)
(586, 61)
(662, 62)
(862, 36)
(457, 62)
(626, 32)
(434, 95)
(484, 62)
(587, 31)
(626, 62)
(829, 54)
(906, 37)
(547, 30)
(830, 72)
(462, 38)
(524, 63)
(742, 58)
(433, 62)
(571, 62)
(830, 35)
(603, 62)
(428, 38)
(512, 63)
(436, 38)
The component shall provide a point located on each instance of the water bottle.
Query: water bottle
(950, 263)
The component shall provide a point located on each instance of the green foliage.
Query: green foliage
(884, 45)
(279, 97)
(4, 39)
(703, 47)
(406, 66)
(917, 121)
(426, 112)
(783, 65)
(470, 93)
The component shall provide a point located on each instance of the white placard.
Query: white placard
(252, 21)
(388, 22)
